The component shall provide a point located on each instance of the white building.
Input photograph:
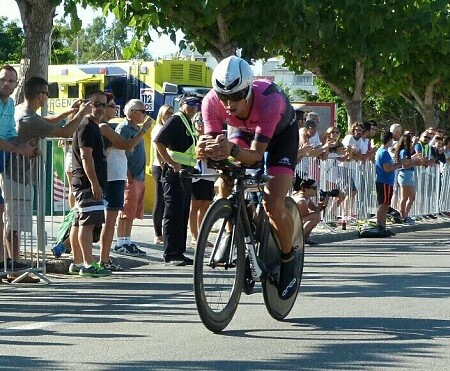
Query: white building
(273, 69)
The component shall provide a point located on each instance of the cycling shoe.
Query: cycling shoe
(287, 284)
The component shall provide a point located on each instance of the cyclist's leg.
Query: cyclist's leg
(274, 195)
(281, 161)
(283, 226)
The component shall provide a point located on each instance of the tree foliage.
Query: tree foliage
(96, 41)
(11, 41)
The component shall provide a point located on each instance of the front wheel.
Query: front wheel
(218, 286)
(271, 255)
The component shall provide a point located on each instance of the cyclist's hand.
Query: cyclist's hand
(203, 141)
(219, 149)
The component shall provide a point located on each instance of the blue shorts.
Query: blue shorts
(406, 178)
(114, 195)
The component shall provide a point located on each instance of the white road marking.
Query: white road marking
(36, 325)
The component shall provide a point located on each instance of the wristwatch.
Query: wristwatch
(234, 151)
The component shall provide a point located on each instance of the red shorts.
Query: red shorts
(133, 207)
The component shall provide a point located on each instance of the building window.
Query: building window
(304, 80)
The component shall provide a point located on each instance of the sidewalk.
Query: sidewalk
(143, 236)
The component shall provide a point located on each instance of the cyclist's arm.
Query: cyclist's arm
(252, 155)
(221, 148)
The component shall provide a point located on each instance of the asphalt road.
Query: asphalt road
(364, 304)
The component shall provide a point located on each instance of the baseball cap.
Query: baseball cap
(310, 124)
(190, 100)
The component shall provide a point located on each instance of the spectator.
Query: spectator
(315, 139)
(202, 189)
(176, 145)
(337, 153)
(353, 144)
(385, 168)
(135, 187)
(367, 149)
(423, 147)
(447, 148)
(404, 149)
(89, 179)
(438, 150)
(305, 189)
(164, 113)
(300, 117)
(19, 177)
(115, 147)
(397, 131)
(8, 134)
(308, 147)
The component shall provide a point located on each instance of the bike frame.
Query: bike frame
(237, 199)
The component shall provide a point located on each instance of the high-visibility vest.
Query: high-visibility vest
(188, 157)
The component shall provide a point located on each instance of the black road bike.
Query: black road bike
(236, 247)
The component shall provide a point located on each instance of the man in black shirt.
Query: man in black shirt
(89, 179)
(176, 144)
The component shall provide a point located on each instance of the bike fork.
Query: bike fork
(255, 265)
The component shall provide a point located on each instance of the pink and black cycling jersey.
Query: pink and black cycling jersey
(271, 121)
(271, 113)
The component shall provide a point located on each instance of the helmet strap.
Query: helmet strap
(249, 95)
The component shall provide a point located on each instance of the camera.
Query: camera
(323, 194)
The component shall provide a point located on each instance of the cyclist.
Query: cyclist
(259, 119)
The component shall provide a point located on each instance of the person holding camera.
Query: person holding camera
(304, 190)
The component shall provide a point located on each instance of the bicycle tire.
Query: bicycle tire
(218, 288)
(271, 255)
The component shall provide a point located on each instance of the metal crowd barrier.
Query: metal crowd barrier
(23, 189)
(356, 180)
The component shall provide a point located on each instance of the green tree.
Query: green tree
(219, 26)
(11, 41)
(61, 51)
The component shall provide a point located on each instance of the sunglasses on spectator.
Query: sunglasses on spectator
(168, 113)
(233, 97)
(139, 110)
(100, 104)
(427, 137)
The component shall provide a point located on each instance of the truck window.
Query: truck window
(72, 91)
(53, 90)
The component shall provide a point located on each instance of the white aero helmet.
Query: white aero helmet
(232, 75)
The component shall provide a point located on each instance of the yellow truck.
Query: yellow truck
(154, 82)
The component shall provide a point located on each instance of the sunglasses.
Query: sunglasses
(233, 97)
(427, 138)
(100, 104)
(169, 113)
(139, 110)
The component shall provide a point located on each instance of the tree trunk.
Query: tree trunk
(352, 99)
(354, 111)
(37, 19)
(425, 104)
